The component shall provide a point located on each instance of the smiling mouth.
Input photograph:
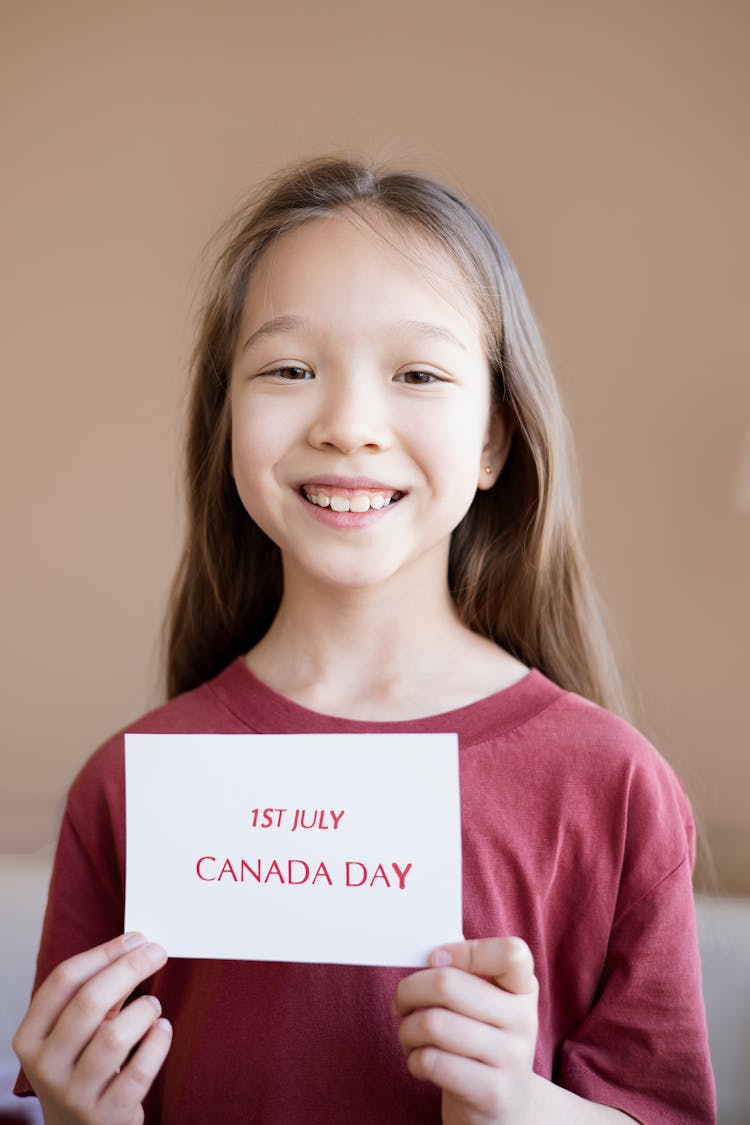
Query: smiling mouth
(350, 499)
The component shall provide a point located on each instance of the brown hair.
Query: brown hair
(516, 573)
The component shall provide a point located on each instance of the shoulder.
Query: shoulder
(600, 738)
(585, 737)
(576, 764)
(205, 709)
(617, 772)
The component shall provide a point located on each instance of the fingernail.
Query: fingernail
(155, 952)
(164, 1024)
(441, 957)
(133, 940)
(155, 1003)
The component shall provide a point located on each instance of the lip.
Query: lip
(347, 520)
(349, 484)
(346, 486)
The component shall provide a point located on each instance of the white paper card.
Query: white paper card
(323, 848)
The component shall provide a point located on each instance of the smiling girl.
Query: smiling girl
(382, 537)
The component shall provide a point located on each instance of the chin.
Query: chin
(354, 579)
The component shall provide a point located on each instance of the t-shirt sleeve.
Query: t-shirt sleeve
(642, 1048)
(85, 904)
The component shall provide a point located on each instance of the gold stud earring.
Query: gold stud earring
(488, 468)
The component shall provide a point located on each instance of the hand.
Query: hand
(470, 1026)
(75, 1040)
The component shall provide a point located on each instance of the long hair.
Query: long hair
(516, 570)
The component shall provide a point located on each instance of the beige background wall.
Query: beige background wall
(608, 143)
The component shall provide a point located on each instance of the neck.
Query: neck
(377, 654)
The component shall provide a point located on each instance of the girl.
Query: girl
(382, 537)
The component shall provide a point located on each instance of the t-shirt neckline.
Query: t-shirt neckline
(264, 710)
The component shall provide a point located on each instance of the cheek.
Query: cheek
(242, 452)
(452, 446)
(253, 491)
(256, 443)
(247, 470)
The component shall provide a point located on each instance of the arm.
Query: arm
(470, 1026)
(90, 1059)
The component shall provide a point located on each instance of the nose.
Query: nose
(351, 415)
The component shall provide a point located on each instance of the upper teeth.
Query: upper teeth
(356, 502)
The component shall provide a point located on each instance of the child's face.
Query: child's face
(359, 438)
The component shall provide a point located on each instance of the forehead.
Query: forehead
(360, 266)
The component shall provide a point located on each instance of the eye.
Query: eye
(418, 378)
(290, 374)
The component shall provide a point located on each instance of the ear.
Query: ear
(496, 449)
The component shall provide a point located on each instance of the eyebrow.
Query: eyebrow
(292, 323)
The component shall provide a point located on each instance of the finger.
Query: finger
(505, 960)
(88, 1008)
(106, 990)
(456, 1034)
(460, 992)
(479, 1085)
(130, 1086)
(63, 983)
(110, 1047)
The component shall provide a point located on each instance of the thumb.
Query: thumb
(505, 960)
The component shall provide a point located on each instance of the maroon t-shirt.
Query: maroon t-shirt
(577, 836)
